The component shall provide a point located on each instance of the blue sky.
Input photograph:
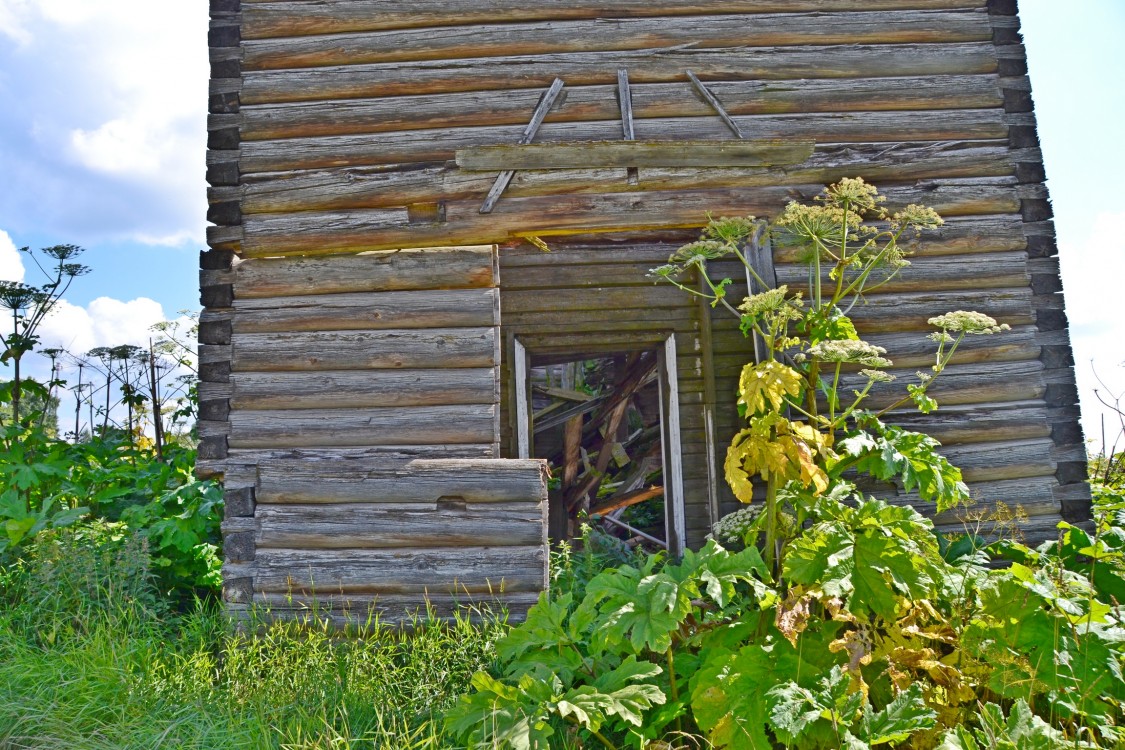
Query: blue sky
(102, 120)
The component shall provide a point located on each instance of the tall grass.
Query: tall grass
(91, 658)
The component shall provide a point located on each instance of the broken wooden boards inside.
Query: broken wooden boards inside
(335, 130)
(352, 412)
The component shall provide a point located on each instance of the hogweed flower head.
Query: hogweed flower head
(852, 351)
(961, 321)
(877, 376)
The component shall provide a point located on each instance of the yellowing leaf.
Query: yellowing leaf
(765, 386)
(737, 477)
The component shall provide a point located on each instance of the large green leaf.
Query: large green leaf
(869, 556)
(902, 717)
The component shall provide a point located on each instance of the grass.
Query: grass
(90, 657)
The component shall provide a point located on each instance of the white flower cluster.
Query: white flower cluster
(850, 350)
(733, 527)
(969, 322)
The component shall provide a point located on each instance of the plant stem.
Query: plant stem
(602, 738)
(675, 688)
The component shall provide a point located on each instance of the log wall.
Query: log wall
(351, 404)
(336, 128)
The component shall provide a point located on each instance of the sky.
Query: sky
(102, 142)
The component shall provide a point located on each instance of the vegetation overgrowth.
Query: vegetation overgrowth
(836, 619)
(817, 617)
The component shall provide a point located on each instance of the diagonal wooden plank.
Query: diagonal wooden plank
(625, 97)
(714, 102)
(541, 110)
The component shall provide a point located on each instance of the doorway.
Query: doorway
(608, 423)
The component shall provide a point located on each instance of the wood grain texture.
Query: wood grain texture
(409, 269)
(371, 229)
(452, 570)
(364, 479)
(441, 144)
(308, 428)
(363, 350)
(696, 154)
(600, 68)
(280, 18)
(388, 525)
(446, 308)
(344, 389)
(388, 186)
(591, 103)
(456, 42)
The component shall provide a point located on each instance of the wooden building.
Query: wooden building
(380, 172)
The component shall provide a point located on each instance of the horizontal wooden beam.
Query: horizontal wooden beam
(420, 348)
(311, 428)
(591, 68)
(365, 478)
(446, 308)
(441, 570)
(327, 232)
(344, 389)
(388, 525)
(555, 37)
(388, 186)
(263, 19)
(591, 103)
(432, 268)
(601, 154)
(442, 144)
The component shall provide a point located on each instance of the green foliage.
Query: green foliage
(91, 656)
(52, 484)
(852, 624)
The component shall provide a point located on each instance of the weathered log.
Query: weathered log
(600, 68)
(448, 308)
(432, 268)
(383, 186)
(1009, 459)
(309, 428)
(388, 525)
(315, 232)
(357, 388)
(441, 144)
(357, 454)
(361, 350)
(452, 570)
(696, 154)
(422, 481)
(977, 271)
(263, 19)
(459, 42)
(878, 315)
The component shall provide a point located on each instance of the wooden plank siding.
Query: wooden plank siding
(334, 132)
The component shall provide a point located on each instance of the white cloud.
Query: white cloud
(104, 322)
(11, 266)
(103, 118)
(11, 21)
(1092, 269)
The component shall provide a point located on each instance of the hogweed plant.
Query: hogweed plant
(804, 430)
(853, 625)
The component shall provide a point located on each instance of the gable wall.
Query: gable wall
(335, 126)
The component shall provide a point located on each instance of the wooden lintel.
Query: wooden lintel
(635, 154)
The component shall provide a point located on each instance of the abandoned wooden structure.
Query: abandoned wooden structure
(374, 297)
